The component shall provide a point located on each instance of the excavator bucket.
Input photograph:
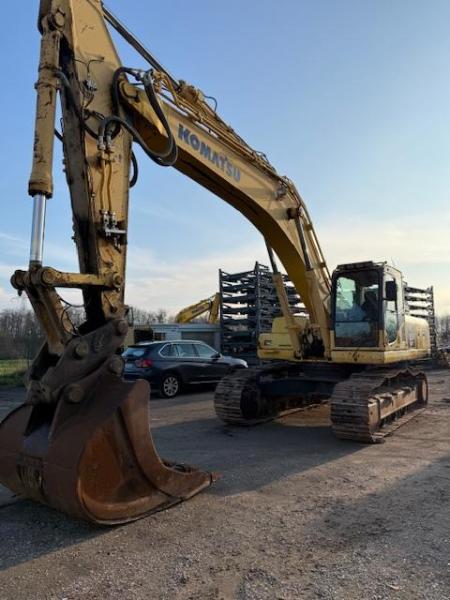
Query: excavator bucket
(91, 453)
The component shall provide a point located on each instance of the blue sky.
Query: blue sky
(350, 99)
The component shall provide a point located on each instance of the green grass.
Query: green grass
(12, 371)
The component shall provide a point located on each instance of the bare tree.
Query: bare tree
(161, 315)
(140, 317)
(20, 334)
(443, 329)
(144, 318)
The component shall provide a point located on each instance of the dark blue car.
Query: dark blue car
(169, 366)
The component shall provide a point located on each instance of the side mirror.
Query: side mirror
(216, 355)
(390, 291)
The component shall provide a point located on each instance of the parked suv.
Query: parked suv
(171, 365)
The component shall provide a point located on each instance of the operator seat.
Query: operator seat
(370, 305)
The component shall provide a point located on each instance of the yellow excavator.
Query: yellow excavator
(209, 305)
(81, 442)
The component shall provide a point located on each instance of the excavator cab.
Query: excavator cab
(369, 321)
(357, 305)
(368, 315)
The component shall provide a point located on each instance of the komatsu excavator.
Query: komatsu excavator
(81, 442)
(208, 305)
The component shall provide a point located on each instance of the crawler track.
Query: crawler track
(366, 407)
(237, 397)
(370, 405)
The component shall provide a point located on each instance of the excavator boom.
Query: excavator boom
(212, 154)
(209, 305)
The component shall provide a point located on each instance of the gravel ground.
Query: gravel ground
(297, 514)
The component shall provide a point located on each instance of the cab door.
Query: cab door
(393, 307)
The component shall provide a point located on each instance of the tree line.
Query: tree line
(21, 336)
(443, 329)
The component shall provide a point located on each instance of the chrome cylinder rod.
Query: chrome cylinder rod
(38, 229)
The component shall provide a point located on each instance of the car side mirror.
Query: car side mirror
(390, 290)
(216, 355)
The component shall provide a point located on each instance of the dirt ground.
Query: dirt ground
(297, 514)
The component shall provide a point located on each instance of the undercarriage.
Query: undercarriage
(367, 403)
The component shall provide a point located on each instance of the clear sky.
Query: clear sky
(349, 99)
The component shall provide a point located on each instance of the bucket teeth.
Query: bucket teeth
(94, 459)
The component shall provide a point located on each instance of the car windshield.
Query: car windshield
(356, 314)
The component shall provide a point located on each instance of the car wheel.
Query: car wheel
(170, 385)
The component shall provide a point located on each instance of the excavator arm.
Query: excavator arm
(211, 305)
(79, 60)
(82, 442)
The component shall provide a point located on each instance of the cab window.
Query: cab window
(390, 311)
(357, 309)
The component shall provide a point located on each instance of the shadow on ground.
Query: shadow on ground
(393, 511)
(247, 459)
(414, 540)
(250, 458)
(41, 530)
(188, 395)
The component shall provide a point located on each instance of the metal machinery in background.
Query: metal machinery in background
(249, 304)
(420, 303)
(81, 442)
(209, 305)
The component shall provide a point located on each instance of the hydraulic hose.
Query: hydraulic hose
(63, 78)
(169, 155)
(151, 95)
(65, 82)
(166, 158)
(135, 175)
